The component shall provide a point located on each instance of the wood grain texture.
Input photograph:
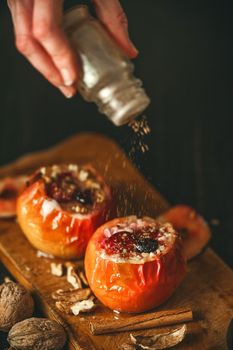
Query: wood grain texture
(207, 288)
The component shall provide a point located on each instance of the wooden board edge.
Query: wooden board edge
(16, 163)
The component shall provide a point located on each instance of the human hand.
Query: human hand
(40, 38)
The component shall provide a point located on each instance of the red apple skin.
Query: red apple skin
(133, 288)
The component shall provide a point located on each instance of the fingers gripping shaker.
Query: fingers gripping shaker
(106, 73)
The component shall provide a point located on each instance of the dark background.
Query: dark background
(185, 62)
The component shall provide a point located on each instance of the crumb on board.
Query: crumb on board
(56, 269)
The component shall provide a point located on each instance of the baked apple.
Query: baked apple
(10, 188)
(133, 264)
(62, 207)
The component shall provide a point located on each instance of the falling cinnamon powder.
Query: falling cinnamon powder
(135, 145)
(141, 129)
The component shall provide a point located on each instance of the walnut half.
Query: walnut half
(71, 295)
(74, 301)
(83, 306)
(72, 277)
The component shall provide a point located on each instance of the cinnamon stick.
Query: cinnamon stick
(145, 321)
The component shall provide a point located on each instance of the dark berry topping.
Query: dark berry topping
(146, 245)
(119, 243)
(8, 193)
(125, 243)
(84, 197)
(62, 188)
(65, 188)
(76, 189)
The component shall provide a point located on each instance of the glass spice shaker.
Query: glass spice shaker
(106, 76)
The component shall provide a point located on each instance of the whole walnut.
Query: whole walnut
(16, 304)
(37, 334)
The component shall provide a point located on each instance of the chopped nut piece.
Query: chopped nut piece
(83, 175)
(40, 254)
(46, 179)
(71, 295)
(56, 269)
(43, 170)
(75, 308)
(73, 167)
(83, 306)
(72, 277)
(99, 197)
(64, 307)
(94, 185)
(160, 341)
(77, 208)
(83, 278)
(7, 279)
(83, 210)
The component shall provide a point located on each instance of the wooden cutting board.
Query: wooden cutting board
(207, 288)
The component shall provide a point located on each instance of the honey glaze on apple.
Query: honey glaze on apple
(74, 188)
(137, 241)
